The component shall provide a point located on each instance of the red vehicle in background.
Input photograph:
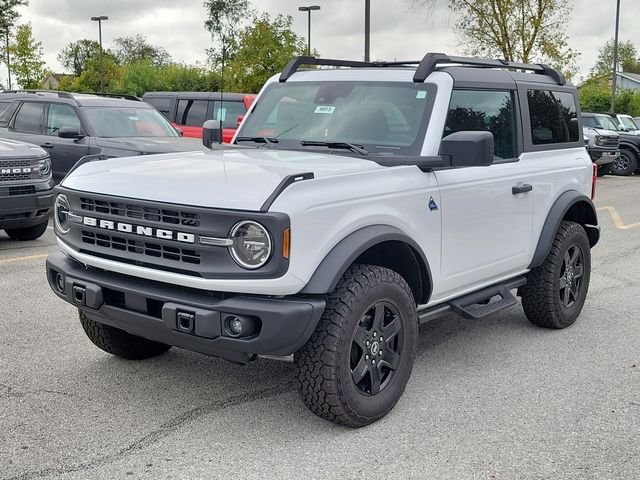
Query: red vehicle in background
(189, 110)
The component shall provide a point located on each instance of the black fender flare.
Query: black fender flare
(555, 216)
(635, 148)
(346, 251)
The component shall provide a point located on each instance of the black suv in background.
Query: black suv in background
(70, 126)
(26, 190)
(627, 161)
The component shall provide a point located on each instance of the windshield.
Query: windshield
(381, 117)
(606, 122)
(628, 122)
(128, 122)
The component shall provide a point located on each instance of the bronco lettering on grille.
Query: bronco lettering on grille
(139, 230)
(11, 171)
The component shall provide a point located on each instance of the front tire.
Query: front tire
(346, 372)
(625, 164)
(27, 233)
(120, 343)
(556, 291)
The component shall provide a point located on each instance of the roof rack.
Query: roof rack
(123, 96)
(429, 63)
(59, 93)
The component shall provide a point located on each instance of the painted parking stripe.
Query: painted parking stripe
(617, 219)
(6, 261)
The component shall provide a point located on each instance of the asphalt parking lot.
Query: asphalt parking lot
(492, 399)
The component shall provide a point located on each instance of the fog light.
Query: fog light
(235, 325)
(59, 280)
(240, 326)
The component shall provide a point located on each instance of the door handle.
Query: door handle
(47, 145)
(521, 189)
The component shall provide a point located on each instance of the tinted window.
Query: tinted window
(30, 118)
(61, 116)
(479, 110)
(8, 111)
(162, 104)
(554, 117)
(228, 112)
(3, 105)
(192, 113)
(128, 122)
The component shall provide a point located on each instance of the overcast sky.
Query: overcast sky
(337, 29)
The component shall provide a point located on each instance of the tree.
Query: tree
(263, 50)
(74, 57)
(627, 59)
(516, 30)
(8, 10)
(225, 19)
(134, 49)
(26, 58)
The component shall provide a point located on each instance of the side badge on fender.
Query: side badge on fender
(432, 204)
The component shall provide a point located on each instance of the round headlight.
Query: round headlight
(599, 140)
(251, 247)
(61, 214)
(45, 167)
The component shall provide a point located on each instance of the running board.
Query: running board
(479, 304)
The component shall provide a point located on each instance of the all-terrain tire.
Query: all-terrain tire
(27, 233)
(120, 343)
(544, 296)
(625, 164)
(326, 364)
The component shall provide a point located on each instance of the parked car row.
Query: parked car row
(613, 142)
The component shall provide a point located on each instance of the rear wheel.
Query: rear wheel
(556, 291)
(357, 363)
(120, 343)
(625, 164)
(27, 233)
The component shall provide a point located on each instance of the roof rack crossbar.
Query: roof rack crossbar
(297, 62)
(124, 96)
(431, 61)
(58, 92)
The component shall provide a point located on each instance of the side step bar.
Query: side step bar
(478, 304)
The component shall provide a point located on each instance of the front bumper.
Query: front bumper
(602, 156)
(20, 211)
(150, 309)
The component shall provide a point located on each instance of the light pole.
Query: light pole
(615, 61)
(367, 29)
(308, 10)
(6, 33)
(99, 20)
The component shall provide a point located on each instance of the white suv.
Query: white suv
(356, 203)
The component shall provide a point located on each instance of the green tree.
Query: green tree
(134, 49)
(225, 21)
(26, 58)
(74, 57)
(263, 50)
(89, 80)
(9, 11)
(516, 30)
(628, 59)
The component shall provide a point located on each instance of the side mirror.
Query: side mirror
(69, 132)
(240, 118)
(180, 131)
(468, 149)
(211, 133)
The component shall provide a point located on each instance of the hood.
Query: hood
(147, 145)
(239, 179)
(14, 149)
(603, 132)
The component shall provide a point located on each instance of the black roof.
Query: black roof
(78, 99)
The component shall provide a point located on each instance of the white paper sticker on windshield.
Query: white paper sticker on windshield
(134, 119)
(324, 109)
(421, 94)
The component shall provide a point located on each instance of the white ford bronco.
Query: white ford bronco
(354, 204)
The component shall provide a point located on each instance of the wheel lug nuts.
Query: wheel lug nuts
(374, 334)
(368, 343)
(381, 339)
(373, 362)
(366, 357)
(380, 353)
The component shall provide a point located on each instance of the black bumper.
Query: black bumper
(150, 309)
(603, 156)
(18, 211)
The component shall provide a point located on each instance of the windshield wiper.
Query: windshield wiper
(342, 145)
(266, 140)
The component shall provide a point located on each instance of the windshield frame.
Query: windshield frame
(374, 150)
(599, 124)
(628, 122)
(86, 113)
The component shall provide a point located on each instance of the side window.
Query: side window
(554, 117)
(163, 105)
(30, 118)
(589, 122)
(192, 113)
(228, 112)
(482, 110)
(61, 116)
(7, 113)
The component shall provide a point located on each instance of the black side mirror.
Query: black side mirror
(468, 149)
(69, 132)
(211, 133)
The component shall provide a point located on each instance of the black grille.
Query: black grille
(12, 177)
(19, 163)
(610, 141)
(141, 247)
(26, 190)
(131, 210)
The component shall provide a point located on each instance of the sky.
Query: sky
(397, 31)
